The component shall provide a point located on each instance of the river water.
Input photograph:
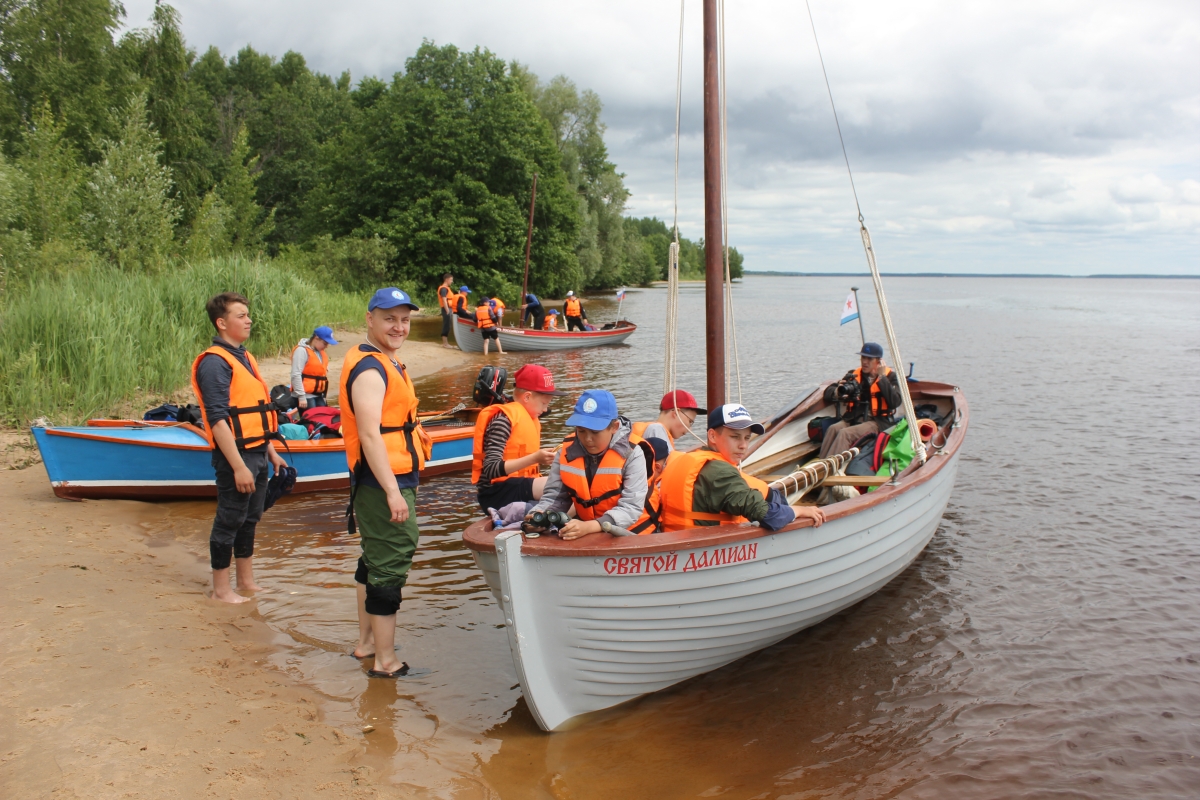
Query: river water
(1045, 644)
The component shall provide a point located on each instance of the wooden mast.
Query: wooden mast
(528, 245)
(714, 311)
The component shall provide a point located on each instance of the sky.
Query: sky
(1027, 137)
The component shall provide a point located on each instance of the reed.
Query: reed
(79, 344)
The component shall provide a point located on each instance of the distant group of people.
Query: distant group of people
(488, 313)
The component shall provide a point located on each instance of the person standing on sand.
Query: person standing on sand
(239, 422)
(386, 449)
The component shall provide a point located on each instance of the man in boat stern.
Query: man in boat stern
(676, 413)
(386, 449)
(310, 368)
(600, 471)
(508, 450)
(532, 309)
(575, 313)
(871, 394)
(707, 486)
(239, 423)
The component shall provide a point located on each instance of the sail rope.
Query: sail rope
(672, 332)
(731, 346)
(889, 331)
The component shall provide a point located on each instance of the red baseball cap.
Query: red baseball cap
(680, 399)
(536, 378)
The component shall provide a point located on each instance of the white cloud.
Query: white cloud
(988, 136)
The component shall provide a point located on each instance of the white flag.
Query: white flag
(849, 309)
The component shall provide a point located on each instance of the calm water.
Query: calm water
(1045, 644)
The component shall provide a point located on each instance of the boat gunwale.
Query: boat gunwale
(623, 327)
(481, 538)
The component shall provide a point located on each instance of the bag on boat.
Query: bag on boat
(489, 386)
(290, 430)
(191, 415)
(896, 454)
(282, 397)
(167, 412)
(817, 427)
(930, 411)
(322, 422)
(870, 453)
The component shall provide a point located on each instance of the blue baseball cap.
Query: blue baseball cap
(733, 415)
(594, 410)
(324, 332)
(464, 290)
(871, 350)
(553, 311)
(390, 298)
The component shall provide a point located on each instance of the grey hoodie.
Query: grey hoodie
(633, 483)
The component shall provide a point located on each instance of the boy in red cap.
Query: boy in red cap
(676, 413)
(508, 442)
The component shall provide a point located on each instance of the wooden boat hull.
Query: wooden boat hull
(466, 334)
(146, 461)
(592, 624)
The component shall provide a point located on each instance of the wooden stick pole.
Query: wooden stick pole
(528, 245)
(714, 311)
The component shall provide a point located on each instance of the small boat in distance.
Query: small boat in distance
(142, 460)
(466, 334)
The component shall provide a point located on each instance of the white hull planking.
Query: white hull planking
(466, 335)
(584, 640)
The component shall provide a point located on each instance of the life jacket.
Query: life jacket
(397, 422)
(252, 415)
(525, 438)
(639, 428)
(879, 404)
(593, 500)
(499, 307)
(651, 518)
(451, 301)
(483, 317)
(573, 307)
(548, 324)
(679, 481)
(316, 372)
(460, 304)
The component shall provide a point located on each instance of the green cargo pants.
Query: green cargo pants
(387, 546)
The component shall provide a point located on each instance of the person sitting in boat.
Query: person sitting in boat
(461, 309)
(660, 452)
(532, 310)
(676, 413)
(508, 450)
(499, 308)
(871, 394)
(575, 313)
(551, 321)
(485, 318)
(707, 486)
(310, 368)
(600, 471)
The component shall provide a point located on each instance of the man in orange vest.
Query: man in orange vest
(600, 471)
(310, 368)
(485, 319)
(676, 413)
(871, 394)
(447, 299)
(461, 308)
(239, 422)
(508, 442)
(575, 313)
(385, 450)
(707, 486)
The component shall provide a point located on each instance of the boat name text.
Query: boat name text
(705, 559)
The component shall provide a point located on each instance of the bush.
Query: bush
(86, 340)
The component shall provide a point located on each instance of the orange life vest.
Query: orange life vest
(573, 308)
(252, 416)
(397, 422)
(483, 317)
(315, 376)
(593, 500)
(650, 520)
(460, 303)
(879, 404)
(639, 429)
(525, 438)
(449, 301)
(500, 307)
(679, 481)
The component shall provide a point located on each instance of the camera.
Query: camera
(848, 391)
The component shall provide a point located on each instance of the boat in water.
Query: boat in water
(142, 460)
(466, 334)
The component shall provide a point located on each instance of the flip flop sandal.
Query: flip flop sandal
(405, 671)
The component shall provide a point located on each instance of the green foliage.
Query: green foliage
(355, 264)
(656, 237)
(131, 216)
(87, 340)
(247, 225)
(51, 182)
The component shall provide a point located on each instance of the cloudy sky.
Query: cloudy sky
(1015, 136)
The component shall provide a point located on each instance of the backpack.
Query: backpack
(281, 397)
(322, 422)
(167, 412)
(489, 386)
(817, 427)
(870, 454)
(191, 415)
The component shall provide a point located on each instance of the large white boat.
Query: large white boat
(466, 334)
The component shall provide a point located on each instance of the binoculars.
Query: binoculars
(541, 520)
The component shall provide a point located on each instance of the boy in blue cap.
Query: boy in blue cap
(461, 308)
(871, 394)
(310, 368)
(600, 470)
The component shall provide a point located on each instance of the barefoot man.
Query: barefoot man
(386, 449)
(239, 422)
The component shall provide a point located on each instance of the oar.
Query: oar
(448, 413)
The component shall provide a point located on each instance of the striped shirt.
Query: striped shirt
(495, 439)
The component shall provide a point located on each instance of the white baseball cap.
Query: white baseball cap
(734, 415)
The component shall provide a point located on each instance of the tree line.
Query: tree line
(136, 151)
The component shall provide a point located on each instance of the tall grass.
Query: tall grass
(77, 345)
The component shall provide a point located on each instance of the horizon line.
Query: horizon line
(1123, 275)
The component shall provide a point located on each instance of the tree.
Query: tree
(246, 225)
(131, 214)
(51, 181)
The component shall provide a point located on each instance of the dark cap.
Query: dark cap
(871, 350)
(659, 446)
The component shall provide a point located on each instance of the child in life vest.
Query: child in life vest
(600, 473)
(551, 321)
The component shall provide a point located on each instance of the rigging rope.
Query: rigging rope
(672, 332)
(889, 332)
(730, 322)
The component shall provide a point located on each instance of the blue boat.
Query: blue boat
(137, 460)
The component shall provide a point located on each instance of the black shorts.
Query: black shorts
(445, 322)
(512, 490)
(490, 333)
